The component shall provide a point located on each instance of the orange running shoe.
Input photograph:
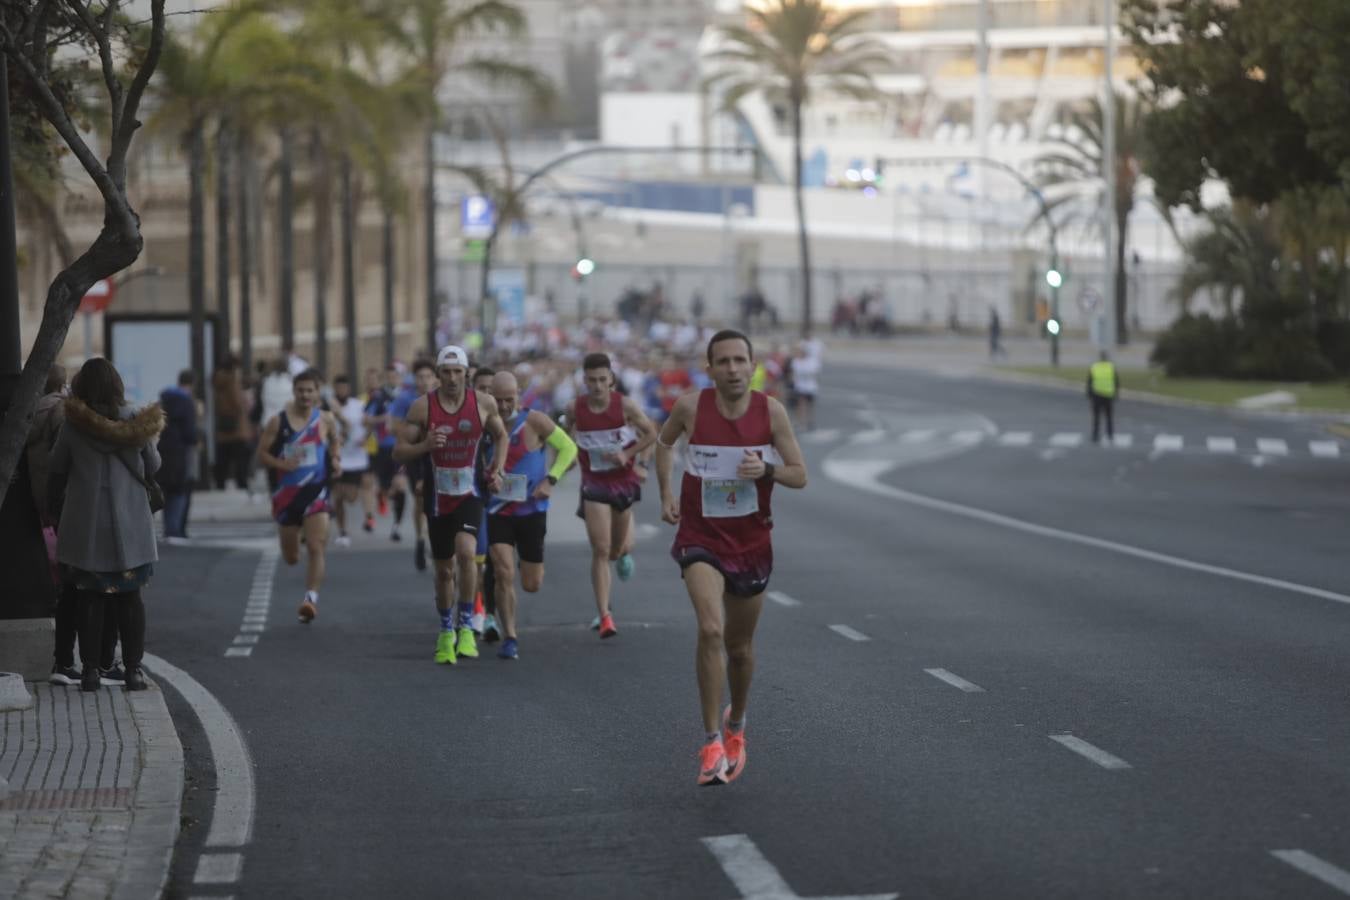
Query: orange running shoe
(712, 764)
(607, 629)
(734, 744)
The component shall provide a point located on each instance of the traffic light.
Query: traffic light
(1052, 327)
(1054, 278)
(583, 267)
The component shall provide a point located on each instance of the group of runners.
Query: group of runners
(476, 463)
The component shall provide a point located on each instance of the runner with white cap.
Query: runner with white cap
(447, 425)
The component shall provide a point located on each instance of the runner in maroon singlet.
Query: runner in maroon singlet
(448, 424)
(610, 431)
(740, 445)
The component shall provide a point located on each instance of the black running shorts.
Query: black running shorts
(525, 533)
(467, 517)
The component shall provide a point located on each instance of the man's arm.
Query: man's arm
(675, 426)
(336, 438)
(265, 457)
(493, 425)
(792, 472)
(634, 415)
(564, 450)
(414, 439)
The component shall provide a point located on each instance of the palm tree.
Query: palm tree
(1238, 258)
(1071, 174)
(790, 50)
(436, 31)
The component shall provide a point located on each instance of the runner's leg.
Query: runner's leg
(531, 576)
(466, 571)
(621, 533)
(503, 560)
(316, 540)
(599, 527)
(289, 535)
(742, 615)
(706, 586)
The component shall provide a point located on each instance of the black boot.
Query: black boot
(89, 679)
(135, 680)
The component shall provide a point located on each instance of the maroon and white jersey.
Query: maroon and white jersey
(452, 466)
(603, 432)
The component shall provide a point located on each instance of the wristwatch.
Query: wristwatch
(551, 479)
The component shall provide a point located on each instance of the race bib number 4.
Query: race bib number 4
(513, 488)
(454, 482)
(726, 498)
(305, 454)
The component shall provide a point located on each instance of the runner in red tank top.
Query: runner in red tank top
(447, 425)
(740, 445)
(610, 430)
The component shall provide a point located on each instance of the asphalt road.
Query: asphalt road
(1098, 722)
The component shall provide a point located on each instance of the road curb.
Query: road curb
(157, 802)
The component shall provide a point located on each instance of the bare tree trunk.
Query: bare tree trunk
(323, 248)
(196, 147)
(804, 245)
(389, 263)
(1122, 285)
(429, 212)
(285, 227)
(224, 161)
(348, 216)
(246, 200)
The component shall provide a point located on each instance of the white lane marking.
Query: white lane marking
(872, 436)
(1090, 751)
(756, 877)
(955, 681)
(783, 599)
(238, 651)
(824, 435)
(1066, 439)
(218, 868)
(968, 438)
(1320, 869)
(252, 628)
(864, 475)
(1123, 441)
(1324, 449)
(246, 639)
(1015, 438)
(918, 436)
(1164, 442)
(1221, 445)
(256, 618)
(849, 633)
(232, 817)
(257, 607)
(1272, 447)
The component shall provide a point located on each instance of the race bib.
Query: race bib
(306, 454)
(454, 482)
(599, 462)
(727, 498)
(513, 488)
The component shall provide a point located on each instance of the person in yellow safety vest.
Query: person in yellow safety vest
(759, 378)
(1103, 386)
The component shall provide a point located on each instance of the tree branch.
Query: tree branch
(121, 140)
(100, 36)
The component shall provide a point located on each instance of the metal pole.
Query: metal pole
(1108, 328)
(11, 345)
(1054, 309)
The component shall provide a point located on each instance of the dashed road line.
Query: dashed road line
(1015, 439)
(238, 651)
(1066, 439)
(1221, 445)
(850, 633)
(1090, 751)
(783, 599)
(918, 436)
(967, 438)
(754, 876)
(1168, 443)
(1320, 869)
(219, 868)
(1324, 449)
(1272, 447)
(955, 681)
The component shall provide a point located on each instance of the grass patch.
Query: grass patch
(1333, 396)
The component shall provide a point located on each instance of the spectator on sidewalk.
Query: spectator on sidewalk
(995, 335)
(47, 419)
(232, 425)
(103, 458)
(1103, 386)
(177, 445)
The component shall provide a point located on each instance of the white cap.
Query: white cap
(451, 355)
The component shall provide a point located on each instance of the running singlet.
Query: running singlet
(304, 491)
(719, 512)
(524, 470)
(378, 406)
(453, 466)
(354, 457)
(603, 432)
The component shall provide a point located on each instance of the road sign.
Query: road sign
(476, 214)
(1089, 298)
(98, 297)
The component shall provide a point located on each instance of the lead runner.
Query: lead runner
(741, 444)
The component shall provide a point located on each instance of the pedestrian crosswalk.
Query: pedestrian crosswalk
(1157, 444)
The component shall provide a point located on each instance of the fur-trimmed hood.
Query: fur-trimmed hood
(132, 429)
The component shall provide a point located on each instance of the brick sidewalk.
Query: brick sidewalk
(95, 783)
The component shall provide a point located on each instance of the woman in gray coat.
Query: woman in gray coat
(105, 543)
